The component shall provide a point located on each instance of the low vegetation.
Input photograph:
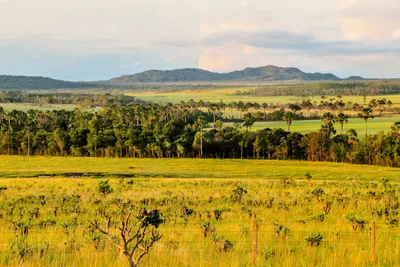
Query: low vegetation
(144, 222)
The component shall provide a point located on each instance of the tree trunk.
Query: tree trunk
(201, 143)
(29, 142)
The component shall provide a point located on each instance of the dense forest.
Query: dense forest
(83, 99)
(166, 131)
(360, 88)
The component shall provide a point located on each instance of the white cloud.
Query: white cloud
(396, 34)
(370, 19)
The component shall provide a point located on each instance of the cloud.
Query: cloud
(370, 19)
(281, 40)
(223, 34)
(396, 34)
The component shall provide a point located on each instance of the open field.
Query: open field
(305, 126)
(27, 106)
(228, 95)
(17, 166)
(44, 221)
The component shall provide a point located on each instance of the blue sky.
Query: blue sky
(94, 40)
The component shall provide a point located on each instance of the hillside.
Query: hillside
(26, 82)
(153, 78)
(267, 73)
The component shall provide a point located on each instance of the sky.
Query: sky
(101, 39)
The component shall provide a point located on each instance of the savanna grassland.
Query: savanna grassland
(309, 214)
(306, 126)
(230, 94)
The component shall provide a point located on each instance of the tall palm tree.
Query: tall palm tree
(264, 106)
(289, 117)
(342, 119)
(200, 124)
(365, 115)
(328, 119)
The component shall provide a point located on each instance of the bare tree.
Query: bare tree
(133, 238)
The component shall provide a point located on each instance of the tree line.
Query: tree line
(77, 98)
(232, 111)
(158, 131)
(348, 88)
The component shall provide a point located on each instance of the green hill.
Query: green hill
(267, 73)
(8, 82)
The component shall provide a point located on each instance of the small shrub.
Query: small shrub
(3, 189)
(318, 193)
(244, 230)
(281, 230)
(238, 194)
(19, 248)
(208, 229)
(268, 253)
(104, 188)
(218, 214)
(222, 244)
(327, 207)
(356, 222)
(315, 239)
(318, 217)
(187, 212)
(286, 182)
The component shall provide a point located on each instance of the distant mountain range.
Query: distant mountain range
(260, 74)
(267, 73)
(28, 82)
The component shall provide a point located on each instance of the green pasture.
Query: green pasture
(27, 106)
(47, 167)
(305, 126)
(229, 94)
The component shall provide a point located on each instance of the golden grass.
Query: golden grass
(207, 185)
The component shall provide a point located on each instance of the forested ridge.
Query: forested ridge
(144, 79)
(265, 73)
(153, 130)
(29, 82)
(344, 88)
(95, 99)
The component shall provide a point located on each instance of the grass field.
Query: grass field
(16, 166)
(27, 106)
(228, 95)
(294, 202)
(374, 125)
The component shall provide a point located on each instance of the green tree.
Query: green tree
(200, 124)
(342, 118)
(328, 120)
(289, 117)
(366, 115)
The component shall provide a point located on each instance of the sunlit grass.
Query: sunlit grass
(19, 166)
